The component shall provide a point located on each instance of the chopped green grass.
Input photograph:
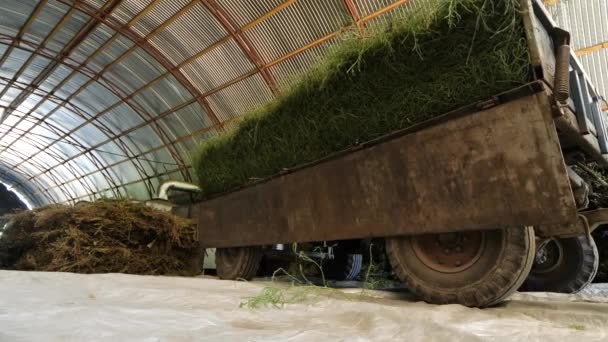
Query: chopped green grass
(449, 54)
(280, 295)
(269, 296)
(576, 326)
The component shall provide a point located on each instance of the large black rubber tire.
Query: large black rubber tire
(500, 269)
(343, 267)
(238, 263)
(569, 272)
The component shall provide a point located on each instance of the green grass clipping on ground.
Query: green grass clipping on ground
(447, 54)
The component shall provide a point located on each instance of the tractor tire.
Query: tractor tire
(565, 265)
(344, 267)
(475, 269)
(238, 263)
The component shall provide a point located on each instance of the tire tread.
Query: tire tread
(514, 265)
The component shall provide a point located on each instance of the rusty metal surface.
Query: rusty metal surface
(572, 141)
(496, 168)
(596, 218)
(561, 230)
(534, 45)
(541, 43)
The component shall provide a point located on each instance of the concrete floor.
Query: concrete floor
(114, 307)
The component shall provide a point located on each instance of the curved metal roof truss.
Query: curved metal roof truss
(108, 97)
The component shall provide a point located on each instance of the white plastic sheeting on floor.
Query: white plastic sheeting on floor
(112, 307)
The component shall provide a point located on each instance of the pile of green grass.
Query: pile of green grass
(447, 55)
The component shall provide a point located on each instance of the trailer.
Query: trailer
(471, 204)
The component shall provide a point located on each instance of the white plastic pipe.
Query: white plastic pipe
(163, 189)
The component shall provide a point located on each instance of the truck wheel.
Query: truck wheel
(343, 267)
(238, 262)
(469, 268)
(563, 265)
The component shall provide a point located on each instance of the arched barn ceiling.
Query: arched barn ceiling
(108, 98)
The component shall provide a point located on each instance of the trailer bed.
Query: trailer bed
(496, 168)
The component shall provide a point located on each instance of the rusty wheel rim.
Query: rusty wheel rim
(449, 252)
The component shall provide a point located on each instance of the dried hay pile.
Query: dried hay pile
(101, 237)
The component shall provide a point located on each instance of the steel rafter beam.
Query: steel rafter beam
(132, 21)
(37, 144)
(302, 49)
(592, 48)
(353, 11)
(75, 41)
(248, 26)
(177, 67)
(318, 42)
(242, 41)
(36, 188)
(26, 26)
(53, 56)
(124, 133)
(42, 75)
(144, 44)
(108, 21)
(64, 103)
(92, 158)
(84, 115)
(226, 38)
(19, 185)
(41, 186)
(180, 139)
(72, 141)
(65, 135)
(280, 59)
(162, 135)
(86, 152)
(168, 172)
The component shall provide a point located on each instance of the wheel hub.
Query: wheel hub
(548, 257)
(449, 252)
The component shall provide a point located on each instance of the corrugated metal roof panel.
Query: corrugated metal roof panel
(218, 66)
(596, 64)
(296, 26)
(240, 97)
(177, 42)
(290, 70)
(244, 12)
(158, 16)
(68, 30)
(45, 21)
(14, 14)
(127, 10)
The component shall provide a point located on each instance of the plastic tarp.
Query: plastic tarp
(114, 307)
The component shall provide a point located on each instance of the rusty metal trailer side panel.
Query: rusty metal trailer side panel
(501, 167)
